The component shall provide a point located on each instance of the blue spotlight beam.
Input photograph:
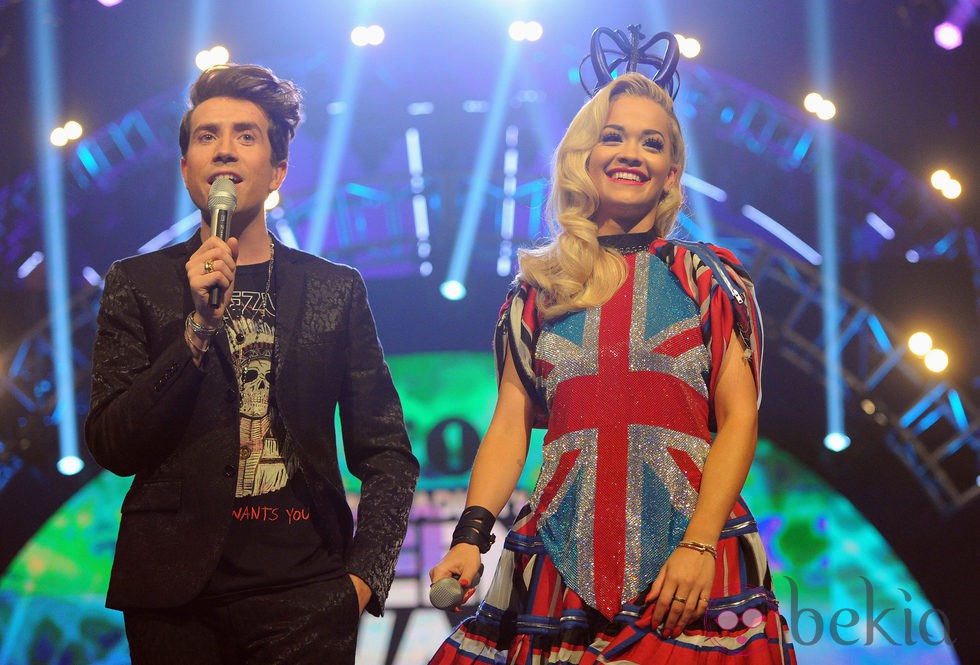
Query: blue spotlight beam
(335, 144)
(44, 79)
(826, 189)
(466, 237)
(696, 196)
(200, 24)
(703, 219)
(334, 147)
(826, 193)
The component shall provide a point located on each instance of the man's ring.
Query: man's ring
(208, 266)
(678, 599)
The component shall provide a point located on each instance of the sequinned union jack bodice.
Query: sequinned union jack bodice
(626, 387)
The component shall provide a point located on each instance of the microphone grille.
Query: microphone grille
(446, 593)
(222, 195)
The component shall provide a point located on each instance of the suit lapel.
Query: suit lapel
(290, 294)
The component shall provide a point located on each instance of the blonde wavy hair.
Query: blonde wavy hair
(572, 271)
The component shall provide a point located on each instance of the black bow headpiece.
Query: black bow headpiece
(632, 50)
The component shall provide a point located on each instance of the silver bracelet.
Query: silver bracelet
(190, 340)
(202, 331)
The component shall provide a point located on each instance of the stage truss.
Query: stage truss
(930, 425)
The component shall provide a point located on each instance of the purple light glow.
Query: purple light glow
(948, 35)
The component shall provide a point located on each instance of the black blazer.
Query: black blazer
(175, 426)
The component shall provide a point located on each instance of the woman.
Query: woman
(635, 546)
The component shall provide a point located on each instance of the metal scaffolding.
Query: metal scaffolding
(930, 425)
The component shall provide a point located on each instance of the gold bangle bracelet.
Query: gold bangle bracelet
(699, 547)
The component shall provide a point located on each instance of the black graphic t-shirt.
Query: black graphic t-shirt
(274, 540)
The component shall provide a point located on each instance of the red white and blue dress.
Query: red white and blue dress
(626, 392)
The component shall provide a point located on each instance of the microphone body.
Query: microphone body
(222, 201)
(448, 593)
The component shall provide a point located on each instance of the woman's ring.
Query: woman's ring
(678, 599)
(703, 599)
(208, 266)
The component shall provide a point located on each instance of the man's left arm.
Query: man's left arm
(378, 452)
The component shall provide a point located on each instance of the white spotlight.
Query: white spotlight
(812, 102)
(358, 36)
(73, 130)
(827, 110)
(70, 465)
(59, 137)
(219, 55)
(525, 31)
(367, 35)
(216, 55)
(375, 35)
(939, 178)
(688, 46)
(202, 60)
(936, 360)
(952, 189)
(533, 31)
(836, 441)
(452, 290)
(920, 343)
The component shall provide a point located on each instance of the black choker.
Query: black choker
(629, 243)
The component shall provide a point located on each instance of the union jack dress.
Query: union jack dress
(626, 391)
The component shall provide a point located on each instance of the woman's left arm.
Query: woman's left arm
(684, 584)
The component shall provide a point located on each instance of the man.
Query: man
(236, 543)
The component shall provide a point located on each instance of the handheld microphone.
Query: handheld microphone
(448, 593)
(222, 201)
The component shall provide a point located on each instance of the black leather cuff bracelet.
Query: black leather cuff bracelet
(474, 528)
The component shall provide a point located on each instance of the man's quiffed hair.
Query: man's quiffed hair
(281, 100)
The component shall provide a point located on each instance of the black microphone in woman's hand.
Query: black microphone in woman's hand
(222, 201)
(448, 593)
